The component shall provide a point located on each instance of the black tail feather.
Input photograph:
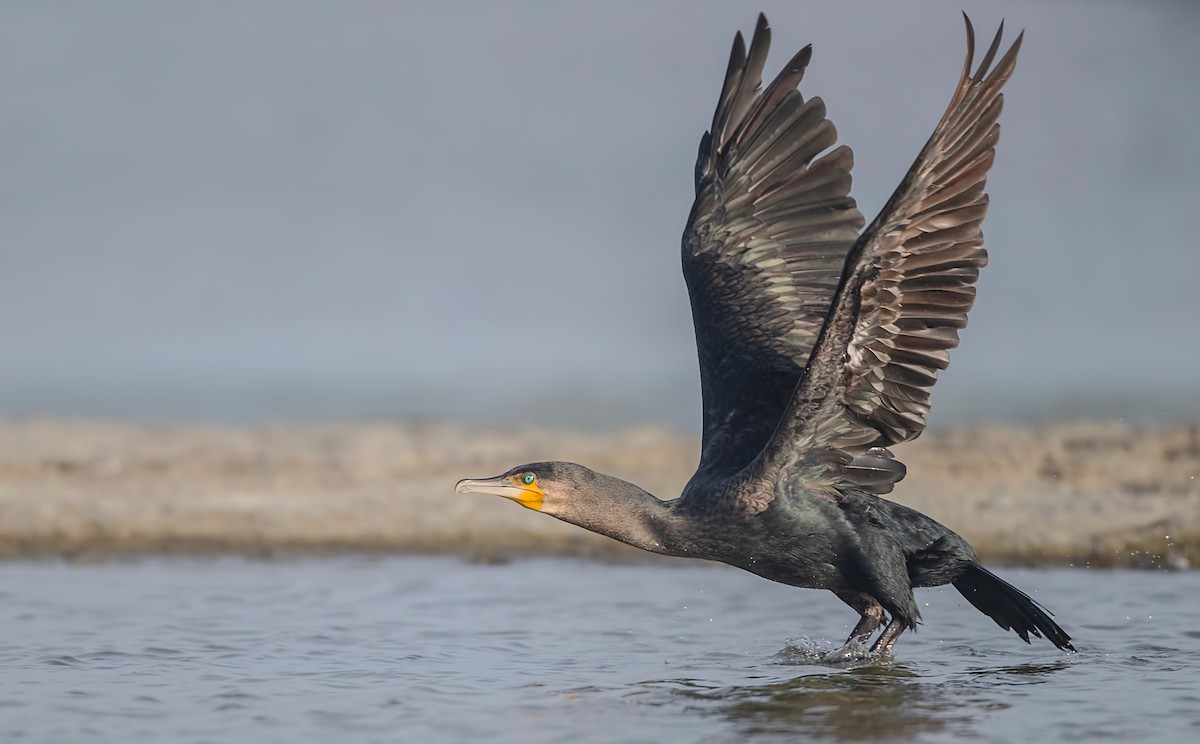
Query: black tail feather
(1010, 607)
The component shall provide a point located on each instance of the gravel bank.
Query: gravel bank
(1101, 494)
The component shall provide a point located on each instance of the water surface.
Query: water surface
(441, 650)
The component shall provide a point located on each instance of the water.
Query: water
(440, 650)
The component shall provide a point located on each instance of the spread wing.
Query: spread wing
(908, 286)
(764, 248)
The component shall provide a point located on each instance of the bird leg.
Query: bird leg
(888, 637)
(870, 617)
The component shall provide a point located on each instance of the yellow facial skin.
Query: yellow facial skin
(513, 488)
(528, 495)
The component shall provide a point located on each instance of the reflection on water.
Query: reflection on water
(437, 650)
(863, 704)
(863, 700)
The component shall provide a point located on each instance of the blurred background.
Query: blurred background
(471, 210)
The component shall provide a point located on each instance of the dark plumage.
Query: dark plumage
(818, 350)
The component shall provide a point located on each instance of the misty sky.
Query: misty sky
(472, 210)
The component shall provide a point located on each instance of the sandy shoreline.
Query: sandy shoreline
(1097, 494)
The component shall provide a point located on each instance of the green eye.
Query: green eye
(529, 478)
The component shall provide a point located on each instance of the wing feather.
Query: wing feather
(763, 249)
(907, 288)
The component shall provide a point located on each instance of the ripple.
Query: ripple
(160, 651)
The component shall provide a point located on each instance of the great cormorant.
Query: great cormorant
(818, 350)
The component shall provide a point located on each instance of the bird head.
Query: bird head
(541, 486)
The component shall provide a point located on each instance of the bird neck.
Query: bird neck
(624, 512)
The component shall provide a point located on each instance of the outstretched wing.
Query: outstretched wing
(764, 248)
(908, 286)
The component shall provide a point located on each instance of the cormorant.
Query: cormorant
(818, 350)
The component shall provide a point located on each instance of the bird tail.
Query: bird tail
(1010, 607)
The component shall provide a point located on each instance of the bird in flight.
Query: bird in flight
(819, 346)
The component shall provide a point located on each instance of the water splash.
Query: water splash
(810, 652)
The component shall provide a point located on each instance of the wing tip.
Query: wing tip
(762, 24)
(985, 64)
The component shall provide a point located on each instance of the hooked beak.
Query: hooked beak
(511, 488)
